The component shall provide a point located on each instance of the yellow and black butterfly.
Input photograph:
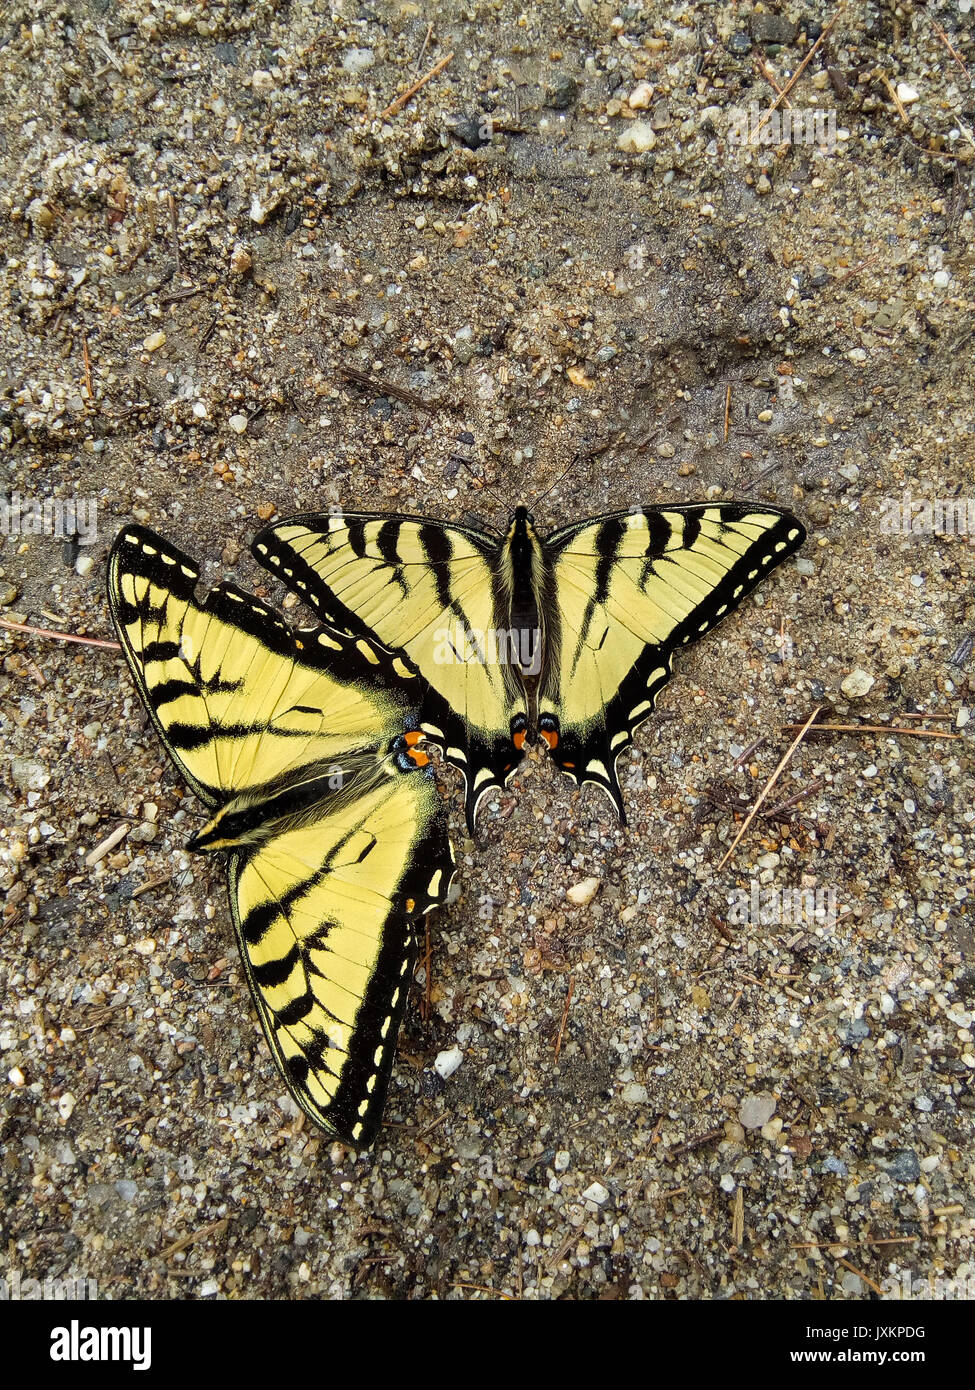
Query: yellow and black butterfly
(571, 635)
(303, 744)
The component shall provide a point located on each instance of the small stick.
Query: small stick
(152, 882)
(754, 137)
(388, 388)
(61, 636)
(163, 280)
(109, 843)
(181, 294)
(84, 352)
(947, 43)
(727, 409)
(860, 1275)
(124, 270)
(763, 69)
(401, 101)
(480, 1288)
(220, 1225)
(923, 714)
(872, 729)
(441, 1119)
(697, 1143)
(565, 1015)
(747, 752)
(174, 228)
(793, 800)
(423, 48)
(738, 1220)
(896, 99)
(768, 786)
(208, 332)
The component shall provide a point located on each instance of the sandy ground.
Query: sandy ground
(582, 281)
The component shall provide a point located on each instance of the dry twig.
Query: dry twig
(410, 92)
(756, 805)
(61, 636)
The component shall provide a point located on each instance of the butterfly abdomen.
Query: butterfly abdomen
(264, 812)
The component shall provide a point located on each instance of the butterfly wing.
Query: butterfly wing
(632, 588)
(327, 915)
(337, 845)
(434, 591)
(236, 696)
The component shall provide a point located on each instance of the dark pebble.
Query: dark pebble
(740, 43)
(562, 93)
(857, 1031)
(772, 28)
(904, 1166)
(472, 131)
(380, 408)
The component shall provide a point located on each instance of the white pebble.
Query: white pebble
(154, 341)
(906, 93)
(66, 1105)
(447, 1062)
(584, 892)
(595, 1192)
(857, 684)
(756, 1111)
(640, 98)
(636, 138)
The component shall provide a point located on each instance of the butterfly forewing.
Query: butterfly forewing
(238, 698)
(435, 592)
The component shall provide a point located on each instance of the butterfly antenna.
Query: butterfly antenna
(503, 506)
(554, 485)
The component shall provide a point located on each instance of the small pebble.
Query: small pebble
(447, 1062)
(857, 684)
(637, 138)
(756, 1111)
(584, 892)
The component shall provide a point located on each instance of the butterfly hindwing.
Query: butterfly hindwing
(326, 914)
(297, 740)
(632, 589)
(436, 592)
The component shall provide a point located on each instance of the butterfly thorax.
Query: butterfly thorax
(522, 568)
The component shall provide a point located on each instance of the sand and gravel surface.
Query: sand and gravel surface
(240, 278)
